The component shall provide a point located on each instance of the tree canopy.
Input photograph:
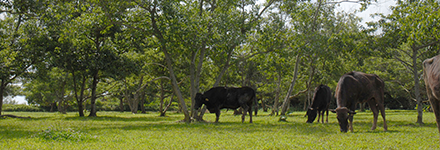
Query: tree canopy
(97, 54)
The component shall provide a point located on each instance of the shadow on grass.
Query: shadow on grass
(143, 118)
(228, 123)
(15, 134)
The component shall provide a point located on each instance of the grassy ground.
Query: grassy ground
(114, 130)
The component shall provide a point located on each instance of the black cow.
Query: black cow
(357, 87)
(431, 75)
(218, 98)
(320, 103)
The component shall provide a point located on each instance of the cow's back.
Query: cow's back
(321, 98)
(347, 90)
(239, 96)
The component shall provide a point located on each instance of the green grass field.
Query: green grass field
(114, 130)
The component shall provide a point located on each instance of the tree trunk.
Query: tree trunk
(135, 103)
(60, 106)
(163, 47)
(286, 99)
(225, 67)
(137, 96)
(2, 90)
(128, 99)
(93, 98)
(176, 88)
(263, 105)
(162, 114)
(142, 102)
(61, 95)
(80, 98)
(195, 79)
(309, 84)
(277, 96)
(121, 104)
(52, 106)
(80, 108)
(416, 88)
(193, 88)
(195, 74)
(162, 98)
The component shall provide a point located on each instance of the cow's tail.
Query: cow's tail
(256, 104)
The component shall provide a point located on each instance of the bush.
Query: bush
(21, 107)
(63, 135)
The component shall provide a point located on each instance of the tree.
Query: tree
(48, 88)
(82, 36)
(411, 35)
(23, 43)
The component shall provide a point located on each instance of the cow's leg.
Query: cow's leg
(382, 112)
(244, 111)
(326, 119)
(436, 106)
(319, 115)
(250, 114)
(350, 122)
(322, 116)
(217, 115)
(373, 108)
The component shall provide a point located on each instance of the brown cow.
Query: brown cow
(358, 87)
(431, 75)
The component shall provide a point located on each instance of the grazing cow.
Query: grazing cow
(357, 87)
(218, 98)
(320, 102)
(431, 75)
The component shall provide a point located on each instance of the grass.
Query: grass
(114, 130)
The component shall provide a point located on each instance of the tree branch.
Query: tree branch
(346, 1)
(264, 9)
(257, 53)
(405, 52)
(162, 77)
(426, 45)
(407, 66)
(297, 94)
(158, 65)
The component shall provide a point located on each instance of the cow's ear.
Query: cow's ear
(332, 110)
(310, 108)
(206, 99)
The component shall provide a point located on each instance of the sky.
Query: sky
(381, 6)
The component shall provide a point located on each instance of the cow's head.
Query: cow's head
(342, 114)
(311, 113)
(199, 100)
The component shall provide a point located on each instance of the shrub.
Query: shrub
(52, 133)
(21, 107)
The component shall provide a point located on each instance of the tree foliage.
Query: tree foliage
(143, 53)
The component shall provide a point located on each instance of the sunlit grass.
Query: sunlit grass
(114, 130)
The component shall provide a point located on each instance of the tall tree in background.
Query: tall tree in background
(49, 87)
(22, 40)
(84, 47)
(411, 35)
(314, 25)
